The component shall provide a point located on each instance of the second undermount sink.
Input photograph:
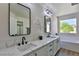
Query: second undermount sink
(26, 47)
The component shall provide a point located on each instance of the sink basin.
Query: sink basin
(26, 47)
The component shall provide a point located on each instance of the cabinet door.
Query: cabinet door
(51, 49)
(56, 45)
(42, 51)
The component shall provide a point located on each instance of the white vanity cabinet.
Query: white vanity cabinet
(56, 45)
(43, 51)
(49, 49)
(46, 50)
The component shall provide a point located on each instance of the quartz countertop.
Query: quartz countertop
(13, 51)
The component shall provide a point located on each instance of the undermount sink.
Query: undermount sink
(26, 47)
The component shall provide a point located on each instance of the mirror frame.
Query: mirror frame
(28, 30)
(45, 28)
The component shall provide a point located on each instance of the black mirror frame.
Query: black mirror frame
(28, 29)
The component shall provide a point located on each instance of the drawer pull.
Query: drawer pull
(50, 50)
(50, 45)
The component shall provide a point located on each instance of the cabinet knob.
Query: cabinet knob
(50, 45)
(50, 50)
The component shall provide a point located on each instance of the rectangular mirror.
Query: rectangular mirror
(47, 22)
(19, 19)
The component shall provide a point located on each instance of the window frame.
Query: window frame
(65, 19)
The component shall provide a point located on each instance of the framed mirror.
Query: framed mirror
(19, 19)
(47, 22)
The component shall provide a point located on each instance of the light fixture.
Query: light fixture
(48, 12)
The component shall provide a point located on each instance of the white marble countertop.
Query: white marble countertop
(13, 51)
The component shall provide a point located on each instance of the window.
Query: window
(68, 26)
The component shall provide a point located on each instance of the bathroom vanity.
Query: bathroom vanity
(50, 48)
(45, 47)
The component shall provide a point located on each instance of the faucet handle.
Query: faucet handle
(26, 42)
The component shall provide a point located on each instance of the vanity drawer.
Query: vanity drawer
(51, 44)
